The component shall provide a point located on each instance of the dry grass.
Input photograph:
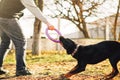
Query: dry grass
(50, 65)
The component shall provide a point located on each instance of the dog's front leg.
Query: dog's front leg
(72, 72)
(69, 74)
(78, 68)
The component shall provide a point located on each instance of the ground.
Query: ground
(51, 64)
(48, 72)
(50, 67)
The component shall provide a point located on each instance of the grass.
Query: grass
(54, 63)
(48, 58)
(49, 63)
(45, 57)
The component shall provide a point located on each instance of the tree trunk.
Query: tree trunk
(115, 23)
(36, 49)
(107, 30)
(84, 31)
(82, 20)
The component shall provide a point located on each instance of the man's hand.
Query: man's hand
(50, 27)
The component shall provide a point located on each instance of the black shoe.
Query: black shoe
(2, 71)
(22, 72)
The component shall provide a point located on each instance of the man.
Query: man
(10, 30)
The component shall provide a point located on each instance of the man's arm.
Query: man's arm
(31, 6)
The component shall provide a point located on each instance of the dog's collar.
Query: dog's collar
(75, 50)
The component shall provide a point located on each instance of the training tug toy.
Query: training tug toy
(52, 39)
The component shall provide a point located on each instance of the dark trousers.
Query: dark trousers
(10, 30)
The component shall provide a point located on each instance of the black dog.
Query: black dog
(92, 54)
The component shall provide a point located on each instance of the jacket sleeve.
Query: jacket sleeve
(31, 6)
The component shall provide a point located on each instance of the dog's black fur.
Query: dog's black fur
(93, 54)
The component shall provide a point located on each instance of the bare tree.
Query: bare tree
(116, 18)
(37, 29)
(76, 11)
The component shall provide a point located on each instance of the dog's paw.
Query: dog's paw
(62, 77)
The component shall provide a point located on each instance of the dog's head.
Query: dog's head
(68, 44)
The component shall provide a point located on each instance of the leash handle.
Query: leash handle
(51, 38)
